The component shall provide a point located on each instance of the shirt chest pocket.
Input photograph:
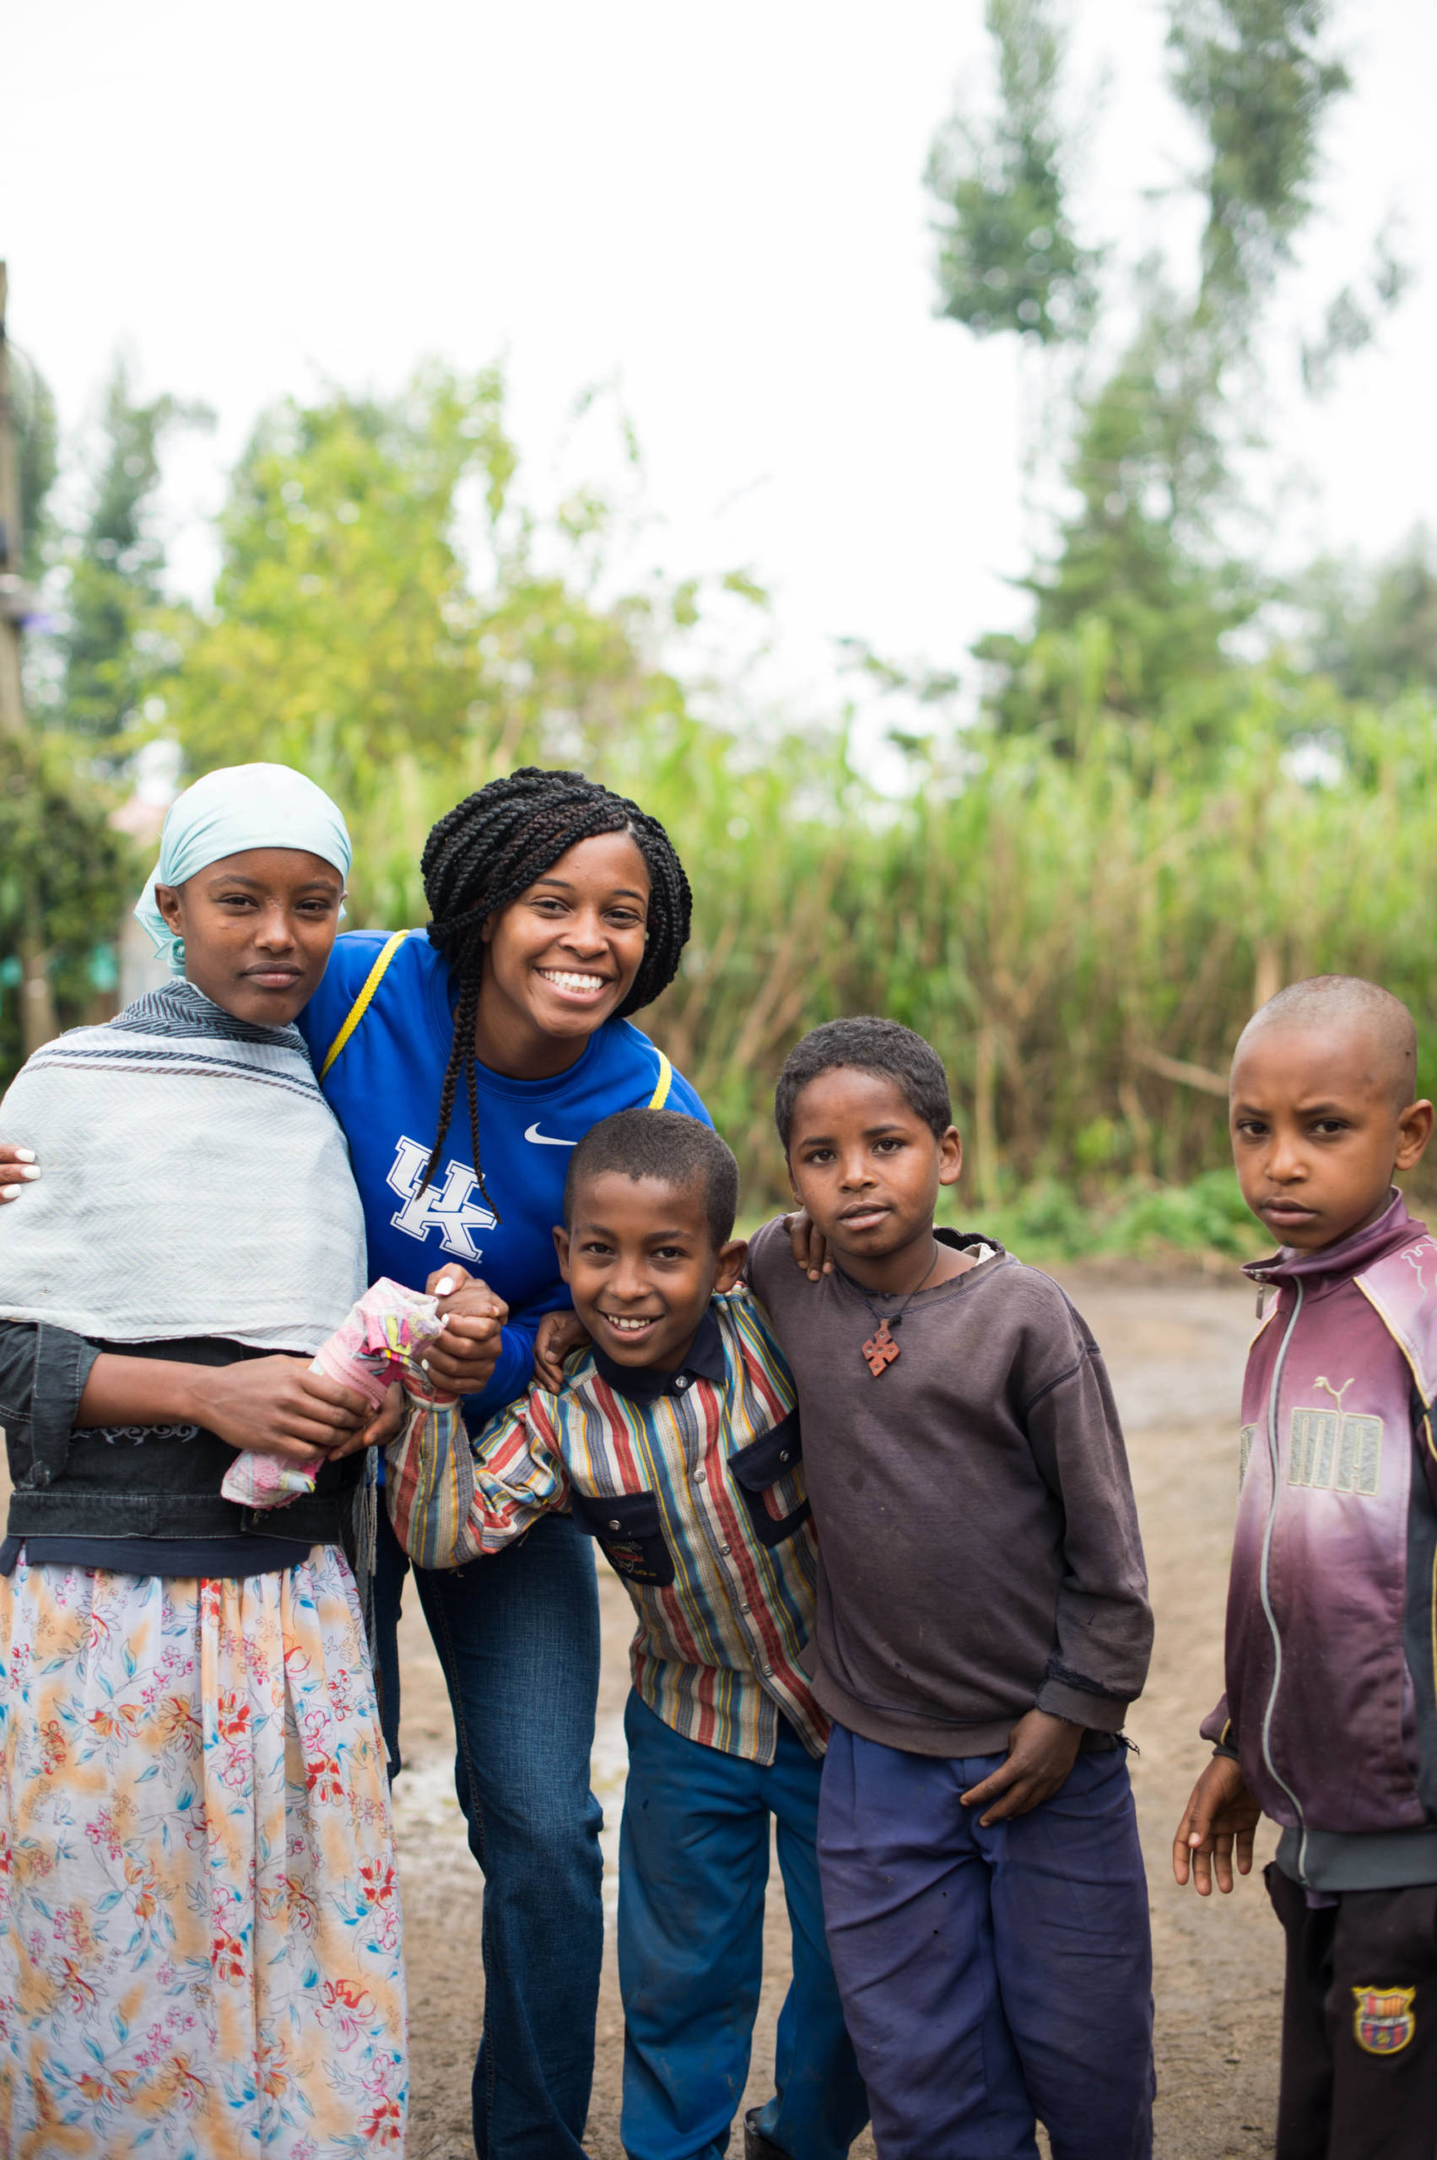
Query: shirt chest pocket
(630, 1529)
(769, 1474)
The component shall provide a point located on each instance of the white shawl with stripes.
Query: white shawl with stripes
(195, 1182)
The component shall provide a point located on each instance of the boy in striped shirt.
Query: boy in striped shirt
(674, 1442)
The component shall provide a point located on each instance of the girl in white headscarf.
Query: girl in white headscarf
(199, 1923)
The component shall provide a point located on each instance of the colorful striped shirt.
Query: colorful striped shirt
(692, 1482)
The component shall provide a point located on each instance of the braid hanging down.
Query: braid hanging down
(487, 851)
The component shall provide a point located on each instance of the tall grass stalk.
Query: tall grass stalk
(1052, 925)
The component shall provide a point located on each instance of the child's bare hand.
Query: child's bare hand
(1041, 1751)
(810, 1246)
(560, 1334)
(1218, 1821)
(462, 1359)
(381, 1429)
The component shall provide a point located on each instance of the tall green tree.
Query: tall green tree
(1135, 603)
(37, 433)
(1257, 78)
(65, 872)
(115, 565)
(1373, 627)
(393, 615)
(1007, 255)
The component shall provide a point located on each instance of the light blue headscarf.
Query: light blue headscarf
(239, 807)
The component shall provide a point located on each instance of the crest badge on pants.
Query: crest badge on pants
(1383, 2019)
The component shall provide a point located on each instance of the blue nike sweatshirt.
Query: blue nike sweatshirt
(384, 1088)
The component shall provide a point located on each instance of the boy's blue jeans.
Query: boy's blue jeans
(518, 1637)
(990, 1976)
(693, 1868)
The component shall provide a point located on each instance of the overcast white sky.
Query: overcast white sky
(720, 204)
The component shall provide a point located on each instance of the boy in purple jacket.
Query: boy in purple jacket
(1329, 1722)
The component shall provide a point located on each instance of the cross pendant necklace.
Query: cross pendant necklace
(881, 1349)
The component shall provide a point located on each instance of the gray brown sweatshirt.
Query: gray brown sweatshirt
(978, 1541)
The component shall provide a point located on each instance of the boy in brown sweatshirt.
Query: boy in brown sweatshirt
(982, 1627)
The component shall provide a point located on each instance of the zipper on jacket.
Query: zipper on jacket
(1263, 1587)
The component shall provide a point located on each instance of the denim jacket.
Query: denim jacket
(143, 1481)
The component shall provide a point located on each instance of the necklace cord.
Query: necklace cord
(891, 1320)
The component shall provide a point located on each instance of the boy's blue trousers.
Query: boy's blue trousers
(693, 1867)
(990, 1976)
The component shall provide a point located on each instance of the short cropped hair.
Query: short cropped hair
(677, 1150)
(871, 1045)
(1352, 1003)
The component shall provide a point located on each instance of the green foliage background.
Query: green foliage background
(60, 861)
(1078, 896)
(1060, 915)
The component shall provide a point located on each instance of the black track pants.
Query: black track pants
(1359, 2024)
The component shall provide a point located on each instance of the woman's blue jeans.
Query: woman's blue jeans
(518, 1638)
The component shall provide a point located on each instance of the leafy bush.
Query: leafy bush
(63, 866)
(1050, 1222)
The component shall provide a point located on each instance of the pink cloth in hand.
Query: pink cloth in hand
(382, 1340)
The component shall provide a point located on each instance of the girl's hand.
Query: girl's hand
(381, 1429)
(1041, 1751)
(560, 1334)
(463, 1358)
(277, 1406)
(18, 1168)
(1218, 1822)
(810, 1246)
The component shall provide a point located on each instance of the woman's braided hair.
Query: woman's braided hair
(488, 850)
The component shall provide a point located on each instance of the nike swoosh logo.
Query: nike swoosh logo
(539, 1139)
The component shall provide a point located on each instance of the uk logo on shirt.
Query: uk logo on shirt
(450, 1208)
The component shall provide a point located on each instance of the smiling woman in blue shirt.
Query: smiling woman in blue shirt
(464, 1064)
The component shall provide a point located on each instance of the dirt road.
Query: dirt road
(1176, 1351)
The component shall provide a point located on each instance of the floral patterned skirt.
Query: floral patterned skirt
(200, 1953)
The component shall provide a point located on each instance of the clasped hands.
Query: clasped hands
(278, 1406)
(459, 1362)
